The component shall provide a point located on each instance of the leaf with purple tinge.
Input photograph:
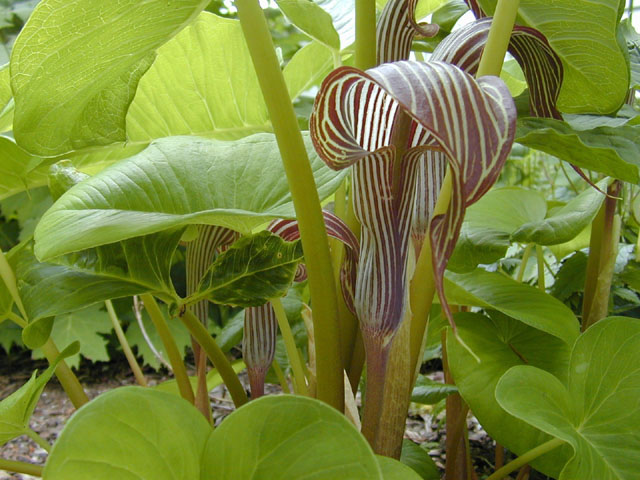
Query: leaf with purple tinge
(355, 117)
(259, 344)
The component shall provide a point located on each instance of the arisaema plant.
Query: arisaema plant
(333, 243)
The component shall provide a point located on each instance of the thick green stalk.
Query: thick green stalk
(290, 345)
(540, 258)
(498, 40)
(68, 380)
(305, 200)
(39, 440)
(377, 354)
(175, 357)
(131, 358)
(217, 357)
(525, 458)
(21, 467)
(525, 260)
(365, 34)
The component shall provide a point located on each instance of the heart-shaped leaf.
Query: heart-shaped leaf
(251, 271)
(595, 409)
(166, 433)
(501, 343)
(277, 435)
(176, 182)
(76, 64)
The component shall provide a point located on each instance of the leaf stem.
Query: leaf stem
(540, 258)
(21, 467)
(305, 199)
(280, 374)
(366, 54)
(217, 357)
(526, 458)
(9, 278)
(525, 260)
(67, 378)
(38, 439)
(135, 368)
(290, 345)
(498, 40)
(175, 358)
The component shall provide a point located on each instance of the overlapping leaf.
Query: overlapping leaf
(176, 182)
(76, 65)
(472, 122)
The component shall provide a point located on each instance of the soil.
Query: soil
(54, 408)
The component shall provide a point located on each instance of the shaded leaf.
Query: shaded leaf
(251, 271)
(312, 20)
(392, 469)
(419, 460)
(430, 392)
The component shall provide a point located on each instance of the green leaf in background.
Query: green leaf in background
(307, 68)
(522, 302)
(135, 338)
(85, 326)
(570, 277)
(430, 392)
(253, 270)
(614, 151)
(596, 75)
(392, 469)
(312, 20)
(501, 343)
(73, 89)
(564, 223)
(288, 437)
(10, 335)
(18, 170)
(419, 460)
(231, 333)
(187, 89)
(62, 176)
(176, 182)
(596, 409)
(17, 408)
(130, 432)
(343, 16)
(131, 267)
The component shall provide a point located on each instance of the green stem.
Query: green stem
(498, 40)
(540, 257)
(290, 345)
(38, 439)
(21, 467)
(9, 278)
(525, 259)
(304, 194)
(67, 378)
(175, 357)
(365, 34)
(280, 375)
(217, 357)
(135, 368)
(17, 319)
(525, 458)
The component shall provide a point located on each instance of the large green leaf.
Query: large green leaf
(201, 83)
(86, 327)
(522, 302)
(122, 269)
(596, 73)
(253, 270)
(288, 437)
(501, 343)
(312, 20)
(614, 151)
(595, 410)
(76, 65)
(307, 68)
(166, 433)
(174, 182)
(6, 99)
(17, 408)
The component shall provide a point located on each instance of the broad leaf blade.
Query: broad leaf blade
(72, 89)
(277, 433)
(253, 270)
(312, 20)
(175, 182)
(597, 410)
(167, 434)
